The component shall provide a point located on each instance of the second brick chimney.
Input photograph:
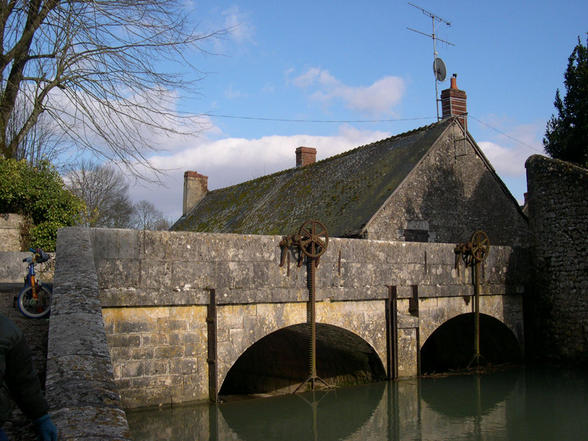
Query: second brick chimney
(195, 188)
(305, 156)
(454, 103)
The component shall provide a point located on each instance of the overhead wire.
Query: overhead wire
(302, 120)
(524, 144)
(362, 121)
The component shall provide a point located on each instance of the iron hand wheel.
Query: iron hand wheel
(480, 245)
(314, 238)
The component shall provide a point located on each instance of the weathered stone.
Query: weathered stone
(158, 331)
(10, 227)
(82, 396)
(557, 306)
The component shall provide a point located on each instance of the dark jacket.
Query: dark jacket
(18, 379)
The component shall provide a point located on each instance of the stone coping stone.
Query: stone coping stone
(83, 398)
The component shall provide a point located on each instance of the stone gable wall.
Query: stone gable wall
(447, 197)
(558, 214)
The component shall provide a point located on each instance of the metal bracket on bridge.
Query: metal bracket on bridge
(311, 240)
(473, 253)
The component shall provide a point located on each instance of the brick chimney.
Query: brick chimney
(195, 188)
(454, 103)
(305, 156)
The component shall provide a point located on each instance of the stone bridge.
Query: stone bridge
(189, 315)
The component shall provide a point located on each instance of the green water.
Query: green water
(517, 404)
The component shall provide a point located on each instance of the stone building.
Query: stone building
(431, 184)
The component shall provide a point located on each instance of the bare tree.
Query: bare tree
(100, 70)
(42, 142)
(147, 217)
(105, 192)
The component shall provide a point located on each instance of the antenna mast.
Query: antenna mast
(434, 18)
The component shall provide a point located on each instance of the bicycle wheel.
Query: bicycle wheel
(31, 307)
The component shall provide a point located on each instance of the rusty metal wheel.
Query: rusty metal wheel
(480, 245)
(314, 238)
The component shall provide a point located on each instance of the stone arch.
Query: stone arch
(451, 345)
(434, 312)
(244, 325)
(279, 362)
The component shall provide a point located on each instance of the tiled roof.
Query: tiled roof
(342, 191)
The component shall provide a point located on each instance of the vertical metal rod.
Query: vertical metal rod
(213, 423)
(312, 270)
(313, 379)
(212, 349)
(413, 303)
(418, 345)
(392, 333)
(477, 313)
(436, 81)
(315, 418)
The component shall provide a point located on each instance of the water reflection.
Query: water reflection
(517, 404)
(468, 395)
(323, 415)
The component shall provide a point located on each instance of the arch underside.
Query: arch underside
(435, 312)
(249, 324)
(280, 361)
(451, 346)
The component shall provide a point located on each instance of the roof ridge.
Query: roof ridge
(339, 155)
(380, 141)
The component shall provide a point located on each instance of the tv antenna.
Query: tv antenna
(439, 68)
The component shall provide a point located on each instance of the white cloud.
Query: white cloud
(315, 75)
(268, 88)
(238, 25)
(233, 94)
(377, 98)
(508, 155)
(230, 161)
(506, 161)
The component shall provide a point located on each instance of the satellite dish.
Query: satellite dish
(439, 69)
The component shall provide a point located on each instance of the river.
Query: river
(525, 403)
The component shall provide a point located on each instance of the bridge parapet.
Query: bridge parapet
(158, 268)
(82, 395)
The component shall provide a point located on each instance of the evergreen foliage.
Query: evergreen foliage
(38, 193)
(566, 136)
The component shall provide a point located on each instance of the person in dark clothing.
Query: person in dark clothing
(19, 382)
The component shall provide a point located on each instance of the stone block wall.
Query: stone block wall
(13, 269)
(557, 308)
(155, 288)
(10, 231)
(158, 353)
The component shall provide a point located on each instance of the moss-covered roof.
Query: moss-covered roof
(342, 191)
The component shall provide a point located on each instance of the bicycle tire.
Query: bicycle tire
(34, 309)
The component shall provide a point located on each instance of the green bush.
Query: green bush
(38, 192)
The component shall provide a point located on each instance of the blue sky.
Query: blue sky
(349, 61)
